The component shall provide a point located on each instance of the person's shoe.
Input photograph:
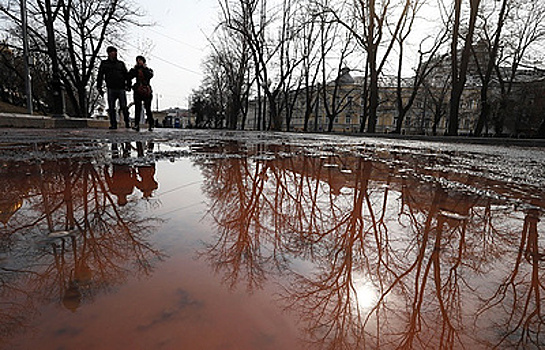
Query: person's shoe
(150, 129)
(136, 128)
(112, 127)
(127, 125)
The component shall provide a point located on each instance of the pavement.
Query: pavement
(16, 120)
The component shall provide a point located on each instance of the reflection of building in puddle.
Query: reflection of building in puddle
(431, 249)
(69, 238)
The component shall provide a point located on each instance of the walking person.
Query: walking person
(142, 91)
(114, 72)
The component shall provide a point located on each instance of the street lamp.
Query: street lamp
(157, 102)
(28, 79)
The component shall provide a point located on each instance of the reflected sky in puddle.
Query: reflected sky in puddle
(267, 245)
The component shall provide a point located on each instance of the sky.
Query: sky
(174, 47)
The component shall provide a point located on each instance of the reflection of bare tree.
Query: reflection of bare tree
(329, 300)
(519, 296)
(359, 247)
(393, 260)
(237, 208)
(69, 241)
(439, 255)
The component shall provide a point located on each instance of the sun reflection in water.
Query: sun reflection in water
(365, 294)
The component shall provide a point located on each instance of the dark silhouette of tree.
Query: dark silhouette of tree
(427, 61)
(232, 61)
(207, 112)
(460, 59)
(525, 32)
(486, 72)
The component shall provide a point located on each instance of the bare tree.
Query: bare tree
(460, 64)
(335, 95)
(377, 25)
(437, 96)
(426, 64)
(203, 107)
(486, 72)
(291, 58)
(525, 33)
(231, 57)
(86, 27)
(313, 28)
(210, 101)
(322, 41)
(255, 24)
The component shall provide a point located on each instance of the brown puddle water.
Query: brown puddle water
(234, 246)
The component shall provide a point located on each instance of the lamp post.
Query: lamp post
(317, 109)
(28, 78)
(157, 102)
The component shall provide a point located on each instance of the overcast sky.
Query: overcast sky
(174, 47)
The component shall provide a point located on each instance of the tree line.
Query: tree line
(273, 53)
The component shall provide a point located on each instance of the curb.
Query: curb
(15, 120)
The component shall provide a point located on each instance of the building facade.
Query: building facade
(517, 112)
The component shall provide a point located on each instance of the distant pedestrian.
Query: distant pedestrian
(114, 72)
(142, 91)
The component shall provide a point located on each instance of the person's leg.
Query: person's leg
(137, 112)
(149, 114)
(111, 108)
(140, 148)
(124, 109)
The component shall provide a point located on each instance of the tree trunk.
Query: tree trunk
(373, 91)
(541, 131)
(459, 74)
(276, 122)
(484, 115)
(330, 120)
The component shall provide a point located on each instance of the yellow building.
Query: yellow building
(342, 102)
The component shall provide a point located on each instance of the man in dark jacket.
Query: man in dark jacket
(115, 73)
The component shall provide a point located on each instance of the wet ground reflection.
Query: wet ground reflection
(270, 245)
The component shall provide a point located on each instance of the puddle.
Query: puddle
(269, 244)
